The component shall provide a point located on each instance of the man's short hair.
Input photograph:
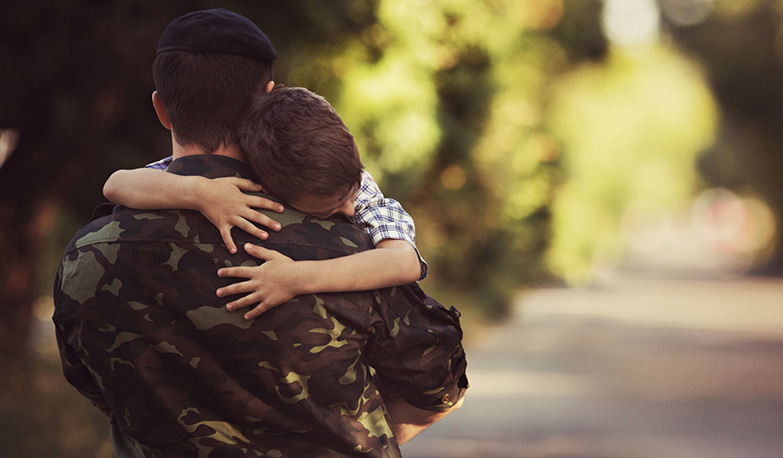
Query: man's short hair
(206, 94)
(297, 144)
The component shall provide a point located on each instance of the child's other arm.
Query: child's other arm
(385, 219)
(220, 200)
(278, 279)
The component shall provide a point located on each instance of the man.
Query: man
(144, 337)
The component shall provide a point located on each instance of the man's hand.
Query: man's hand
(408, 421)
(270, 284)
(223, 203)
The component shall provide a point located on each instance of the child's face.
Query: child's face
(326, 206)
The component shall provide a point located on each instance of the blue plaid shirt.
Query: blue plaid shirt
(382, 218)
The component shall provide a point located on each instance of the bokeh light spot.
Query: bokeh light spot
(453, 177)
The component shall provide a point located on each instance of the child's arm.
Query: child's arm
(395, 261)
(220, 200)
(278, 279)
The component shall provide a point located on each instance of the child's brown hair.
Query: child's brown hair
(297, 144)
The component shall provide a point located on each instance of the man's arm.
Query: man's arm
(408, 421)
(79, 375)
(278, 279)
(418, 357)
(220, 200)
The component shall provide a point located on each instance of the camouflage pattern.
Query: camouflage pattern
(144, 337)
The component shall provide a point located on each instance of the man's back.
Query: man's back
(144, 336)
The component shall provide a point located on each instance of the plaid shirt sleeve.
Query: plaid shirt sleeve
(162, 164)
(384, 218)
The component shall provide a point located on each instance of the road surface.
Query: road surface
(631, 368)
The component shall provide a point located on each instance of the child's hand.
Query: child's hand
(224, 204)
(270, 284)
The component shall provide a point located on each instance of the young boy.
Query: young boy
(303, 154)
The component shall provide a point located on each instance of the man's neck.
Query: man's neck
(231, 151)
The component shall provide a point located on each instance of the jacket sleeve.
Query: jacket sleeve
(75, 371)
(79, 376)
(416, 349)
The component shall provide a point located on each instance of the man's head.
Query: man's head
(209, 65)
(302, 151)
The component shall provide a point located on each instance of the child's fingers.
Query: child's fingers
(236, 272)
(225, 234)
(235, 288)
(246, 185)
(263, 220)
(246, 301)
(260, 252)
(263, 202)
(251, 229)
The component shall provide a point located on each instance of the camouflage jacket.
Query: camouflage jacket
(143, 336)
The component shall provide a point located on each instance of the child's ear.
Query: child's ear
(269, 86)
(163, 115)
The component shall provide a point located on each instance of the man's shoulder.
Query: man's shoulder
(301, 237)
(126, 224)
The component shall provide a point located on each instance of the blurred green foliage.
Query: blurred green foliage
(632, 128)
(738, 46)
(444, 98)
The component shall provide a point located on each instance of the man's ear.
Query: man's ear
(269, 86)
(163, 115)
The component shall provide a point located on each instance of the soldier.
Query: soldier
(143, 336)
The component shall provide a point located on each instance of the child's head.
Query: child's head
(302, 151)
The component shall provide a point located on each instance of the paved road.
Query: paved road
(633, 368)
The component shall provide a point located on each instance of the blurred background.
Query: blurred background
(596, 186)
